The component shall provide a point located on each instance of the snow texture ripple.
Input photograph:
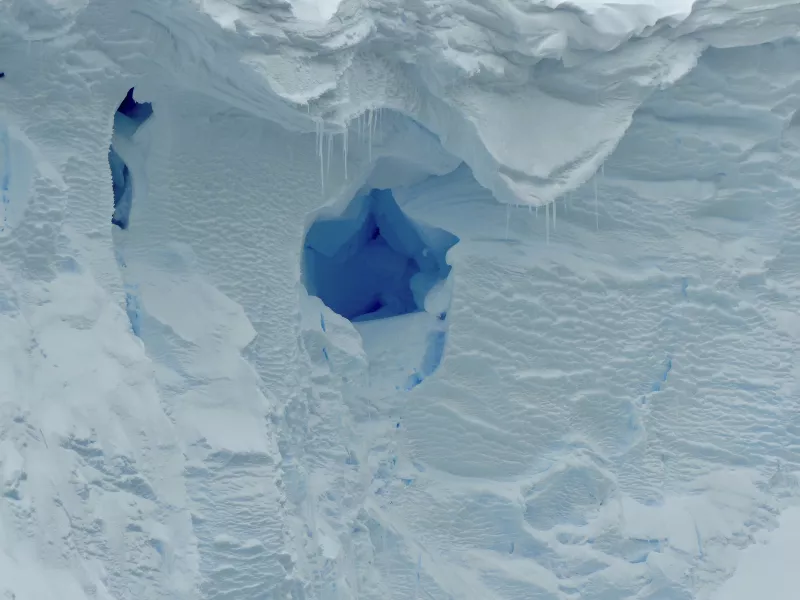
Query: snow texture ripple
(599, 400)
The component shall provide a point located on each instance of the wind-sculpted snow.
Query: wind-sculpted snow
(472, 73)
(596, 398)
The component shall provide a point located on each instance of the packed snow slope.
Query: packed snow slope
(563, 242)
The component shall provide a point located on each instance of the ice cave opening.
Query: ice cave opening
(388, 275)
(130, 115)
(374, 262)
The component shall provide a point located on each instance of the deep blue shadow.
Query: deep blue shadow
(373, 261)
(129, 117)
(138, 112)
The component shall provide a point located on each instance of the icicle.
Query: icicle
(370, 119)
(377, 122)
(369, 133)
(330, 149)
(555, 210)
(344, 147)
(375, 114)
(547, 222)
(316, 136)
(596, 213)
(320, 131)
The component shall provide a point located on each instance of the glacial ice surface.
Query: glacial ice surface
(593, 394)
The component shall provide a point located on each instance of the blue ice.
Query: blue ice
(134, 315)
(129, 117)
(373, 261)
(123, 190)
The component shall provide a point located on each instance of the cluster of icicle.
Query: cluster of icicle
(367, 124)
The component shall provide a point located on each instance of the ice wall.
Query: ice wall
(613, 408)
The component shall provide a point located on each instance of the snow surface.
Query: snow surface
(769, 569)
(608, 409)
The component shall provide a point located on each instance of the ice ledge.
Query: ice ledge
(532, 96)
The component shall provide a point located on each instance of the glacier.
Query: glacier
(562, 238)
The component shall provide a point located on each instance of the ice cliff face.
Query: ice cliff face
(562, 240)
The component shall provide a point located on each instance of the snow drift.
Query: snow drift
(395, 300)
